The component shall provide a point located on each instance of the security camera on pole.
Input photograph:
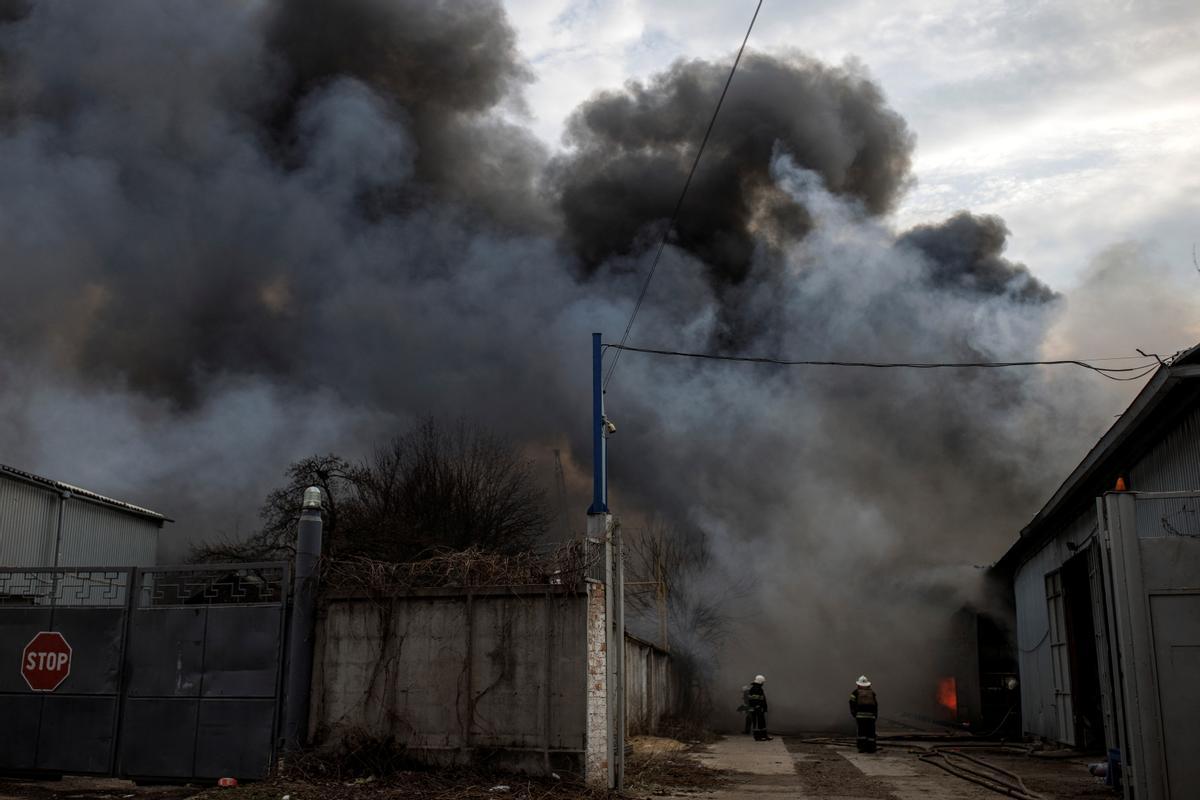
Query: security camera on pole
(606, 758)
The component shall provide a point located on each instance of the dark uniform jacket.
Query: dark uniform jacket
(863, 703)
(757, 697)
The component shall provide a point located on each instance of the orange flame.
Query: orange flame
(947, 695)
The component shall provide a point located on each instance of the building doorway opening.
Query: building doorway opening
(1081, 646)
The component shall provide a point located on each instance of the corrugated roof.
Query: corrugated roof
(77, 491)
(1170, 392)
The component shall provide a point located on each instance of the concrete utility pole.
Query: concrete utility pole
(304, 611)
(600, 527)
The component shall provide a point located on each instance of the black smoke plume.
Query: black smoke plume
(237, 234)
(633, 149)
(964, 252)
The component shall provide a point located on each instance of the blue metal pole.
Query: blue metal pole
(599, 445)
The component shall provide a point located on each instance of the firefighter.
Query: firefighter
(758, 708)
(745, 709)
(865, 709)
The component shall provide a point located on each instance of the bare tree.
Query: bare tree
(436, 486)
(444, 486)
(280, 512)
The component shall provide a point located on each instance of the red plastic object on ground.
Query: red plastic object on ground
(227, 783)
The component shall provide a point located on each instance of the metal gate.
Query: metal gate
(1153, 544)
(173, 673)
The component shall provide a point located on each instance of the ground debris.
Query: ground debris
(661, 766)
(424, 785)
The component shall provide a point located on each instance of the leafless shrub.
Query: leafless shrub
(433, 488)
(564, 564)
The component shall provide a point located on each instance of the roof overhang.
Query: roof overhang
(83, 494)
(1173, 389)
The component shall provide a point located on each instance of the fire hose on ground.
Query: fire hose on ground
(1011, 784)
(967, 767)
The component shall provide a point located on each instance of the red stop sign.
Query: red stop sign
(46, 661)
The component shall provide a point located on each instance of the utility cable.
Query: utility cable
(662, 245)
(1112, 373)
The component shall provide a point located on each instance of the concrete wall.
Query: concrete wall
(651, 690)
(491, 675)
(516, 677)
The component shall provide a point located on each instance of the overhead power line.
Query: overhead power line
(1112, 373)
(662, 245)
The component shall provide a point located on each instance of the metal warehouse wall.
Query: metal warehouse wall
(1174, 463)
(92, 534)
(28, 524)
(496, 674)
(650, 687)
(96, 535)
(1038, 712)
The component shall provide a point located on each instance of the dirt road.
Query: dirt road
(792, 769)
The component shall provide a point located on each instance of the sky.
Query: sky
(1076, 122)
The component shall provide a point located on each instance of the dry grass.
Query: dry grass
(663, 766)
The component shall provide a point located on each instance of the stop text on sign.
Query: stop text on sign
(46, 661)
(50, 661)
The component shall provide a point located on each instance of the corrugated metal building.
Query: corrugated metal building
(1106, 590)
(651, 687)
(47, 523)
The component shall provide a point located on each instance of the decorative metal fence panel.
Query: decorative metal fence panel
(166, 673)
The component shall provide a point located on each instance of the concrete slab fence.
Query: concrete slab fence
(512, 677)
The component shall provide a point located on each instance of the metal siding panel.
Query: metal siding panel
(1035, 663)
(95, 535)
(158, 737)
(167, 645)
(1174, 463)
(76, 734)
(22, 714)
(241, 650)
(235, 737)
(1176, 623)
(28, 524)
(96, 638)
(1033, 649)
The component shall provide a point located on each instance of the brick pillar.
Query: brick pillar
(596, 758)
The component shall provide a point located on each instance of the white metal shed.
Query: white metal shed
(48, 523)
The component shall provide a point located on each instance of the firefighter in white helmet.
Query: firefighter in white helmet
(864, 706)
(758, 708)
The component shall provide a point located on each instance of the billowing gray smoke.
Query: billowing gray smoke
(632, 150)
(964, 252)
(237, 233)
